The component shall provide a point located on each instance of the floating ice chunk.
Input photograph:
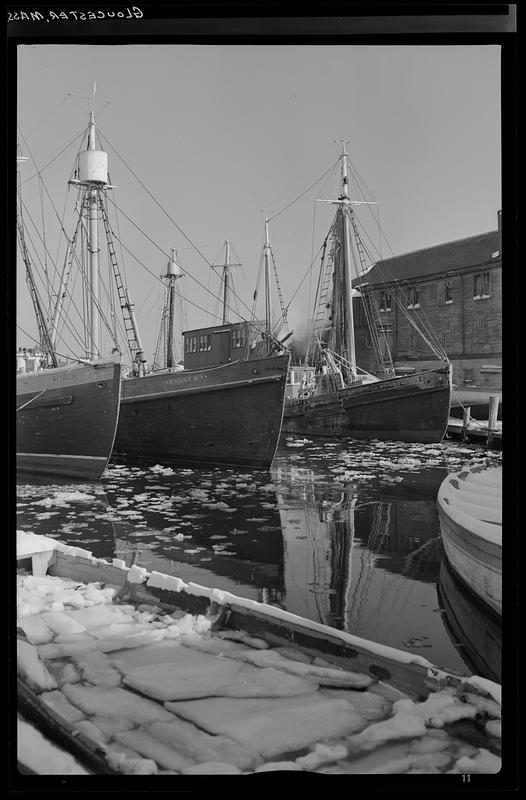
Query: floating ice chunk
(192, 674)
(43, 757)
(430, 744)
(97, 669)
(62, 706)
(401, 726)
(201, 746)
(152, 748)
(272, 727)
(380, 756)
(100, 615)
(62, 623)
(115, 703)
(372, 707)
(91, 731)
(278, 766)
(242, 636)
(483, 705)
(31, 669)
(325, 676)
(63, 673)
(440, 708)
(484, 762)
(109, 727)
(322, 754)
(35, 629)
(124, 759)
(213, 645)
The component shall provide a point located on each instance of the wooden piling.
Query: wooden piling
(466, 417)
(492, 417)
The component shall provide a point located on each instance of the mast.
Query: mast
(172, 274)
(348, 256)
(266, 251)
(226, 276)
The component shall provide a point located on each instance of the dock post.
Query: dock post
(492, 417)
(466, 417)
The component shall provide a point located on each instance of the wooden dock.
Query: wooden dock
(476, 432)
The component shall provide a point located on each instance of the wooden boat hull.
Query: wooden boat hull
(475, 632)
(67, 419)
(471, 535)
(228, 415)
(411, 408)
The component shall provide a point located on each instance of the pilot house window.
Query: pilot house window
(205, 342)
(238, 338)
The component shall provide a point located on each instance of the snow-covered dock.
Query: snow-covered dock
(147, 689)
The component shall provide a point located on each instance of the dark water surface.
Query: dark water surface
(344, 533)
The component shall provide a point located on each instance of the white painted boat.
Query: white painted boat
(470, 510)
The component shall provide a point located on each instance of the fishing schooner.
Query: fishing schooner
(344, 400)
(66, 415)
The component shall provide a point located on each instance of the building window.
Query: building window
(413, 342)
(468, 375)
(205, 342)
(238, 338)
(444, 292)
(481, 286)
(480, 330)
(385, 301)
(413, 297)
(445, 335)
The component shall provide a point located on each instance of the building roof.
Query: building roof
(442, 258)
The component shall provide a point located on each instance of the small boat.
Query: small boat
(139, 672)
(66, 416)
(344, 400)
(470, 511)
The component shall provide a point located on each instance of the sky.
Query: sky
(220, 134)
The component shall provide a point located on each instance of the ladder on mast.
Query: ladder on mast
(130, 323)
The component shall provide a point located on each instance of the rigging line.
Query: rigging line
(305, 192)
(307, 272)
(60, 355)
(155, 201)
(40, 171)
(35, 249)
(167, 256)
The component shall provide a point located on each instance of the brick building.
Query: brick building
(455, 289)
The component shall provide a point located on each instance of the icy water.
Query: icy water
(344, 533)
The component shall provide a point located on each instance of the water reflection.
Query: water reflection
(474, 631)
(342, 533)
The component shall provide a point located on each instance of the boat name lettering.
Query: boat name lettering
(71, 376)
(77, 16)
(190, 378)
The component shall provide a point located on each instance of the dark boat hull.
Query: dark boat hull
(67, 419)
(228, 415)
(412, 408)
